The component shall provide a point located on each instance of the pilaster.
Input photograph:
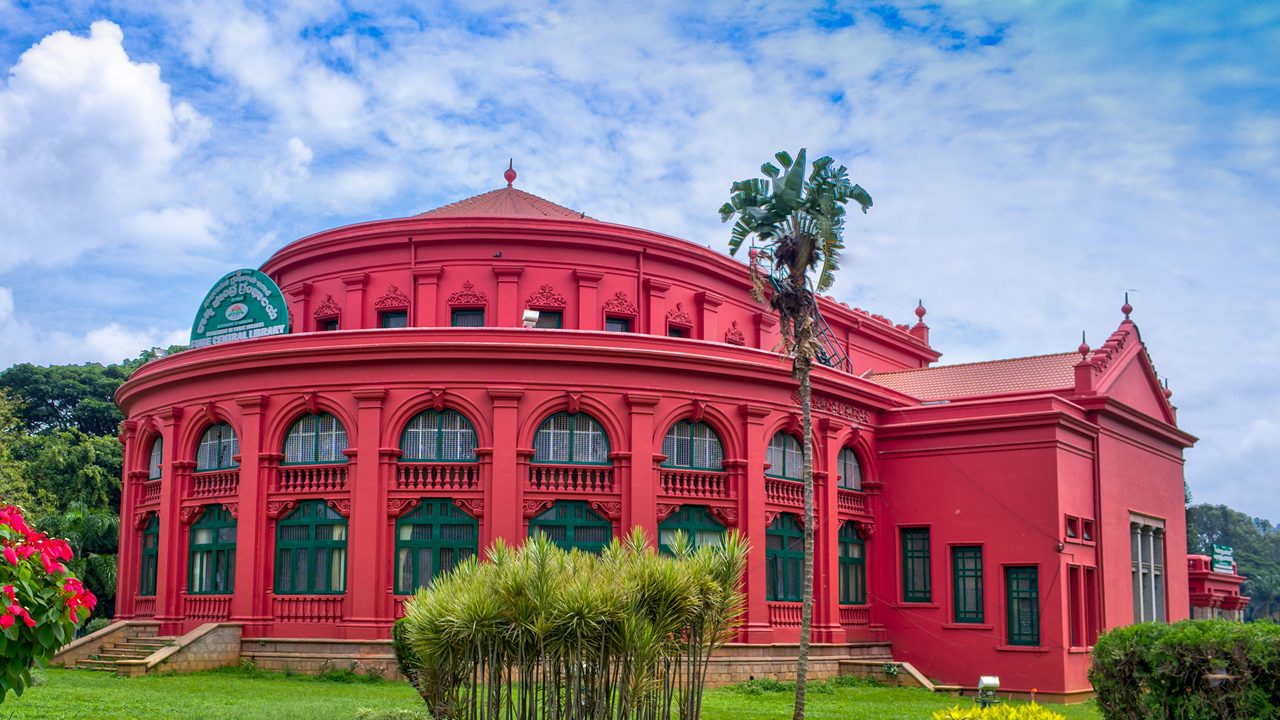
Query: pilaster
(756, 628)
(249, 602)
(503, 495)
(642, 496)
(169, 579)
(366, 544)
(353, 311)
(708, 316)
(655, 299)
(508, 312)
(427, 308)
(827, 627)
(588, 299)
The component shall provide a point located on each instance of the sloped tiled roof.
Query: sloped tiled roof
(506, 202)
(992, 377)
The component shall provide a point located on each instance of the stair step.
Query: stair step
(97, 664)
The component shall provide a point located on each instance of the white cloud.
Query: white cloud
(30, 342)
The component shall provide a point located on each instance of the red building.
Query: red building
(989, 517)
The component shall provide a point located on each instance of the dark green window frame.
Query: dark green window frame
(967, 585)
(696, 522)
(438, 436)
(431, 539)
(785, 456)
(467, 317)
(155, 463)
(311, 551)
(617, 324)
(218, 448)
(1022, 603)
(393, 318)
(784, 559)
(315, 439)
(572, 524)
(211, 566)
(571, 439)
(917, 585)
(677, 331)
(850, 469)
(149, 560)
(693, 445)
(550, 319)
(853, 566)
(327, 325)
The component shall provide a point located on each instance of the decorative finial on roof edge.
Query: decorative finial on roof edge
(920, 311)
(510, 174)
(1126, 308)
(1084, 347)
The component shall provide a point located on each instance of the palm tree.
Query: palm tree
(795, 225)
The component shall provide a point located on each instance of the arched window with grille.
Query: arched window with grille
(853, 566)
(156, 462)
(571, 439)
(315, 440)
(150, 556)
(850, 469)
(693, 445)
(786, 457)
(784, 559)
(218, 448)
(698, 525)
(311, 551)
(435, 436)
(431, 539)
(572, 524)
(212, 566)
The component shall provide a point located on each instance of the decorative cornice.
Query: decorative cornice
(468, 295)
(679, 316)
(355, 281)
(474, 506)
(609, 508)
(729, 516)
(620, 304)
(342, 507)
(835, 407)
(535, 507)
(278, 508)
(140, 519)
(865, 529)
(665, 511)
(189, 513)
(546, 297)
(734, 336)
(398, 506)
(327, 308)
(233, 508)
(391, 299)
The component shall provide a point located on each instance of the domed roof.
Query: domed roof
(506, 202)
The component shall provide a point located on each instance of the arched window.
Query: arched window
(438, 437)
(157, 459)
(218, 446)
(212, 567)
(853, 566)
(311, 551)
(784, 559)
(693, 445)
(431, 539)
(150, 556)
(315, 440)
(850, 469)
(785, 457)
(571, 524)
(697, 524)
(565, 438)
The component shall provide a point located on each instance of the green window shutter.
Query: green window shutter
(218, 445)
(155, 464)
(311, 551)
(567, 439)
(572, 524)
(432, 539)
(696, 523)
(315, 440)
(330, 325)
(853, 566)
(394, 319)
(693, 445)
(433, 436)
(784, 559)
(966, 584)
(786, 457)
(468, 318)
(1022, 601)
(550, 319)
(850, 470)
(615, 324)
(211, 566)
(916, 577)
(150, 556)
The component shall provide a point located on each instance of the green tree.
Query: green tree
(14, 488)
(795, 225)
(69, 466)
(67, 397)
(93, 533)
(1257, 552)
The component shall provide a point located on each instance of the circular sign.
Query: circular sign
(243, 305)
(237, 311)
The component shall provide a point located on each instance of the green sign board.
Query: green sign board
(1223, 560)
(242, 305)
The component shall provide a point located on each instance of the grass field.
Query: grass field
(236, 695)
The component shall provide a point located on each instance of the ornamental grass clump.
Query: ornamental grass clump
(41, 602)
(542, 633)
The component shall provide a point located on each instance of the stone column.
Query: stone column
(426, 308)
(353, 310)
(826, 558)
(509, 310)
(169, 579)
(299, 296)
(589, 315)
(655, 300)
(248, 605)
(366, 545)
(503, 496)
(756, 627)
(130, 487)
(642, 495)
(708, 316)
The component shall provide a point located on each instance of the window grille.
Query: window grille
(612, 324)
(576, 439)
(218, 446)
(433, 436)
(916, 577)
(853, 566)
(468, 318)
(212, 566)
(1146, 545)
(784, 559)
(311, 551)
(693, 445)
(697, 524)
(150, 556)
(850, 470)
(786, 457)
(156, 462)
(572, 524)
(966, 584)
(1022, 589)
(552, 319)
(315, 440)
(394, 319)
(431, 539)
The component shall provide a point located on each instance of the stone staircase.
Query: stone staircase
(125, 648)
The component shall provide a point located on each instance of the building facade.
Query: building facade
(990, 517)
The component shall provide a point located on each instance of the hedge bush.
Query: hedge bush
(1155, 670)
(1030, 711)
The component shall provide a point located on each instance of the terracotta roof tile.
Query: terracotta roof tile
(506, 202)
(992, 377)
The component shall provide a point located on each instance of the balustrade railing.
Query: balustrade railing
(571, 478)
(307, 608)
(438, 476)
(783, 492)
(207, 607)
(784, 614)
(695, 483)
(855, 614)
(150, 492)
(144, 606)
(214, 483)
(311, 478)
(852, 501)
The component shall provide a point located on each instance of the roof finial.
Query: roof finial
(1126, 308)
(1084, 346)
(510, 174)
(920, 310)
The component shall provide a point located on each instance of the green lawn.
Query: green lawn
(78, 694)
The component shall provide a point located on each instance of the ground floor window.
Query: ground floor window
(966, 584)
(1022, 594)
(853, 566)
(697, 524)
(150, 556)
(431, 539)
(572, 524)
(1146, 543)
(917, 583)
(784, 559)
(212, 566)
(311, 551)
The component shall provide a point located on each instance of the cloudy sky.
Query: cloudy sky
(1030, 162)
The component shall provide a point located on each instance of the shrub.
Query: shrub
(1030, 711)
(41, 602)
(95, 625)
(1154, 670)
(367, 714)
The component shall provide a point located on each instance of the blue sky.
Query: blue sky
(1030, 161)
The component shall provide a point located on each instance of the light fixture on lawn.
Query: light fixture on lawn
(987, 687)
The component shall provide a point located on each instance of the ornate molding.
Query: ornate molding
(342, 507)
(835, 407)
(734, 336)
(474, 506)
(665, 511)
(468, 295)
(728, 516)
(535, 507)
(233, 508)
(865, 529)
(328, 308)
(679, 316)
(398, 506)
(140, 519)
(546, 297)
(620, 304)
(770, 516)
(609, 508)
(392, 299)
(278, 508)
(187, 514)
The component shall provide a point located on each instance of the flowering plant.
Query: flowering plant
(41, 602)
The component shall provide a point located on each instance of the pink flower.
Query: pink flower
(6, 621)
(10, 555)
(8, 590)
(27, 619)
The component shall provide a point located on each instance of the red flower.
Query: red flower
(10, 555)
(8, 590)
(6, 621)
(27, 619)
